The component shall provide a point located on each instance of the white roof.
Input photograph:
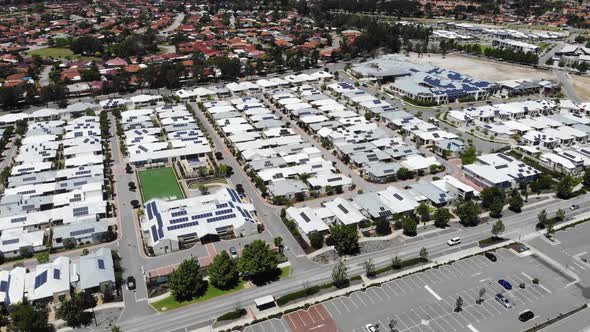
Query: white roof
(306, 219)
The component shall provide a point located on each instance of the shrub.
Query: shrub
(297, 295)
(238, 313)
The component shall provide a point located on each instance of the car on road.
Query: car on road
(505, 284)
(218, 155)
(526, 316)
(574, 207)
(504, 301)
(454, 241)
(490, 256)
(370, 328)
(130, 283)
(233, 252)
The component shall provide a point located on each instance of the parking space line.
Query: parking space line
(420, 277)
(441, 321)
(383, 290)
(430, 278)
(301, 315)
(390, 288)
(400, 321)
(452, 315)
(331, 304)
(436, 296)
(468, 267)
(351, 303)
(343, 303)
(447, 271)
(485, 307)
(285, 328)
(459, 273)
(374, 291)
(273, 325)
(473, 310)
(524, 297)
(409, 281)
(396, 284)
(319, 312)
(358, 295)
(415, 316)
(467, 312)
(466, 297)
(480, 261)
(460, 266)
(368, 297)
(409, 319)
(432, 275)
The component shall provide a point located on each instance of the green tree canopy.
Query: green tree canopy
(340, 275)
(516, 202)
(223, 271)
(26, 317)
(498, 228)
(468, 213)
(345, 239)
(258, 262)
(409, 226)
(186, 282)
(442, 217)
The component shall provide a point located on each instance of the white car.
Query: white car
(370, 328)
(504, 301)
(574, 207)
(454, 241)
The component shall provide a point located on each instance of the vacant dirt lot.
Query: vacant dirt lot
(485, 70)
(582, 86)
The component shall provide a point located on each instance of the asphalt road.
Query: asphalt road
(519, 225)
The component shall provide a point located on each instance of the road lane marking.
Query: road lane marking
(432, 292)
(473, 329)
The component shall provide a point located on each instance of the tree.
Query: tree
(340, 275)
(482, 292)
(409, 226)
(516, 202)
(26, 317)
(442, 217)
(542, 216)
(564, 187)
(424, 254)
(369, 268)
(560, 214)
(186, 282)
(258, 262)
(223, 271)
(382, 227)
(72, 311)
(116, 329)
(493, 198)
(128, 169)
(345, 239)
(586, 178)
(542, 183)
(396, 263)
(392, 325)
(423, 211)
(316, 240)
(469, 155)
(278, 242)
(459, 304)
(498, 228)
(42, 257)
(468, 213)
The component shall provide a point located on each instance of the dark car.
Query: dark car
(490, 256)
(218, 155)
(505, 284)
(526, 316)
(130, 283)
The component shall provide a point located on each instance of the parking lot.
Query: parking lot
(426, 301)
(316, 319)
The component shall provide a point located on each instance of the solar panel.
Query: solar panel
(3, 286)
(41, 279)
(82, 232)
(56, 274)
(80, 211)
(18, 219)
(342, 208)
(101, 264)
(11, 241)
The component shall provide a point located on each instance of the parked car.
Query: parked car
(526, 316)
(218, 155)
(504, 301)
(574, 207)
(505, 284)
(130, 283)
(370, 328)
(454, 241)
(233, 252)
(490, 256)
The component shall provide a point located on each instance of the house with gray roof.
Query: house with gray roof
(96, 269)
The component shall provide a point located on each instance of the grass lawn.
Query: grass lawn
(285, 271)
(170, 303)
(59, 52)
(159, 183)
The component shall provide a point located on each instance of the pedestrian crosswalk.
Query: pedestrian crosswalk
(529, 236)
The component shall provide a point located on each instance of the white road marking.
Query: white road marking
(432, 292)
(473, 329)
(476, 274)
